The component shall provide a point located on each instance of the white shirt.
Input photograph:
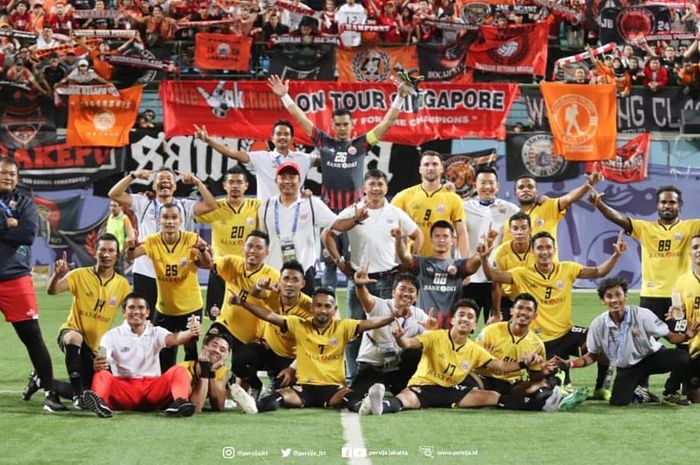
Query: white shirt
(133, 356)
(264, 164)
(280, 226)
(632, 341)
(351, 14)
(479, 217)
(147, 212)
(379, 345)
(371, 241)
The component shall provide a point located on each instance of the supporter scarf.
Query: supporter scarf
(126, 33)
(138, 62)
(290, 39)
(200, 24)
(15, 34)
(565, 11)
(450, 26)
(16, 84)
(583, 56)
(363, 27)
(86, 90)
(97, 14)
(297, 9)
(671, 35)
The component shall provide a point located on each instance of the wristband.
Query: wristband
(132, 176)
(398, 102)
(287, 101)
(522, 365)
(576, 363)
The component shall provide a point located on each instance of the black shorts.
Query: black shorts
(222, 330)
(433, 396)
(316, 396)
(86, 358)
(175, 323)
(216, 288)
(658, 305)
(694, 373)
(571, 343)
(499, 385)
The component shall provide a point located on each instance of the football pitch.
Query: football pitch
(592, 434)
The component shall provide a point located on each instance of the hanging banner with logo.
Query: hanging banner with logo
(103, 120)
(56, 215)
(640, 111)
(59, 166)
(222, 51)
(446, 63)
(633, 23)
(513, 50)
(583, 119)
(631, 162)
(26, 121)
(441, 111)
(531, 154)
(373, 64)
(315, 63)
(461, 169)
(83, 242)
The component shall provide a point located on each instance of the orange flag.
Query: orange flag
(221, 51)
(583, 119)
(102, 120)
(373, 64)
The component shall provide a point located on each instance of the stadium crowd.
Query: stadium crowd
(421, 268)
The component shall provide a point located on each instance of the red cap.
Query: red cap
(287, 165)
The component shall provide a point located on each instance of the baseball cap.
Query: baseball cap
(83, 62)
(286, 166)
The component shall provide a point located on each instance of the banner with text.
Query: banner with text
(222, 51)
(513, 50)
(373, 64)
(530, 154)
(440, 111)
(445, 62)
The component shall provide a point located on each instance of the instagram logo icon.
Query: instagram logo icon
(228, 452)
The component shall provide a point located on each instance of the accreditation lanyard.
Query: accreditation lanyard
(7, 211)
(277, 218)
(624, 329)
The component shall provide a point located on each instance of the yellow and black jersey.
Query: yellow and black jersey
(505, 259)
(230, 226)
(689, 287)
(283, 344)
(504, 345)
(543, 217)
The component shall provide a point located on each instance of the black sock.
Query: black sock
(567, 376)
(520, 403)
(352, 400)
(73, 366)
(64, 389)
(191, 350)
(271, 402)
(601, 375)
(392, 405)
(29, 333)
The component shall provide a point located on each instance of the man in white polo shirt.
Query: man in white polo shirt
(127, 369)
(371, 246)
(291, 221)
(265, 162)
(484, 212)
(147, 211)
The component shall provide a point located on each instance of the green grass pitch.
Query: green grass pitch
(592, 434)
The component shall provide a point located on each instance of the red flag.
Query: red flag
(245, 109)
(583, 119)
(513, 50)
(631, 162)
(221, 51)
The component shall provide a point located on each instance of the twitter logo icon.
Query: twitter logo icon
(286, 452)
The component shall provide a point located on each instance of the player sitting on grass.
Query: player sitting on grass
(448, 357)
(321, 344)
(209, 374)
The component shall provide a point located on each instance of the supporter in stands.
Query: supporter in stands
(328, 23)
(387, 16)
(84, 75)
(99, 55)
(351, 12)
(273, 27)
(689, 77)
(158, 27)
(47, 39)
(21, 18)
(92, 22)
(54, 72)
(61, 21)
(19, 73)
(621, 77)
(635, 73)
(655, 75)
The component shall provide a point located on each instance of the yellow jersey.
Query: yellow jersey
(244, 326)
(689, 287)
(553, 292)
(664, 253)
(504, 345)
(221, 374)
(283, 344)
(445, 364)
(176, 273)
(505, 259)
(425, 208)
(95, 303)
(230, 226)
(543, 217)
(321, 354)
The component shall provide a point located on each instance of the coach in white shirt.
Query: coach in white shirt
(483, 212)
(265, 162)
(147, 212)
(291, 221)
(371, 246)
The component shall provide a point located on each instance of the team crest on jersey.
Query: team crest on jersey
(502, 211)
(440, 208)
(429, 269)
(560, 284)
(451, 270)
(113, 301)
(465, 365)
(183, 263)
(304, 216)
(250, 221)
(539, 222)
(678, 236)
(333, 342)
(352, 151)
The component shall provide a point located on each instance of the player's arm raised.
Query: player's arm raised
(497, 276)
(118, 192)
(578, 193)
(58, 283)
(238, 155)
(181, 337)
(592, 272)
(405, 342)
(281, 89)
(610, 213)
(380, 130)
(361, 279)
(402, 253)
(260, 312)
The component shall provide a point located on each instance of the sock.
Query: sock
(567, 376)
(392, 405)
(64, 389)
(601, 375)
(29, 333)
(271, 402)
(73, 366)
(519, 403)
(191, 350)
